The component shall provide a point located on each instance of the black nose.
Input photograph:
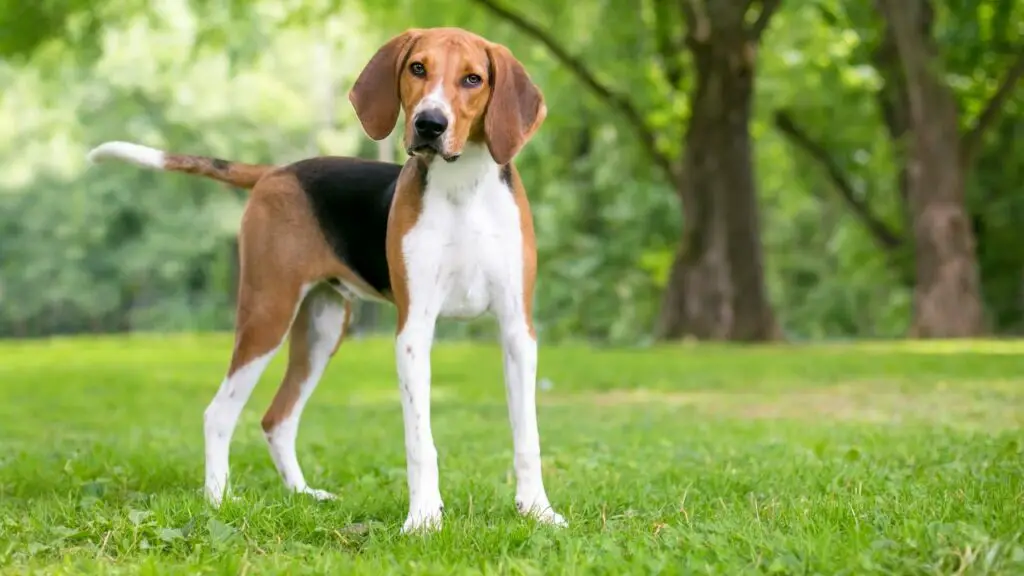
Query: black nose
(430, 124)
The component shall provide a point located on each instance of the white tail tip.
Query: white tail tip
(135, 153)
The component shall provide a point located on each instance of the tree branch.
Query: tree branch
(971, 140)
(613, 98)
(883, 234)
(768, 8)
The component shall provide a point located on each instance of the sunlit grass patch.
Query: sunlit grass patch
(710, 459)
(989, 406)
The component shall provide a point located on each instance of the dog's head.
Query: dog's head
(454, 87)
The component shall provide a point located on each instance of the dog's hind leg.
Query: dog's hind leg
(265, 313)
(315, 336)
(283, 259)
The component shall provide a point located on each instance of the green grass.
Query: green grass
(876, 458)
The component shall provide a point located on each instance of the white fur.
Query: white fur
(135, 153)
(463, 257)
(435, 100)
(326, 324)
(220, 419)
(350, 291)
(221, 416)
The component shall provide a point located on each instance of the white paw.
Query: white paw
(425, 517)
(216, 500)
(320, 495)
(549, 516)
(541, 510)
(215, 495)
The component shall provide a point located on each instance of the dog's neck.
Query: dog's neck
(464, 178)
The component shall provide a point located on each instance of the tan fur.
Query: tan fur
(504, 110)
(295, 374)
(374, 95)
(405, 211)
(344, 327)
(233, 173)
(281, 249)
(529, 247)
(516, 108)
(298, 366)
(448, 57)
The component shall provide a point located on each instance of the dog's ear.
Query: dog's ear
(516, 109)
(375, 94)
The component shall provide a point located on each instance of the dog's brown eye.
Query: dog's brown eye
(472, 80)
(417, 69)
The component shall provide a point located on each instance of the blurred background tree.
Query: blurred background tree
(741, 170)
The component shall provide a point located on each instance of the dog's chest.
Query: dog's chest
(464, 254)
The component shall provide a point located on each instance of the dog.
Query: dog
(448, 234)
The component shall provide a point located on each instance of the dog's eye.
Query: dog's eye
(417, 70)
(472, 80)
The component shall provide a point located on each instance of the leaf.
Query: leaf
(63, 531)
(137, 517)
(220, 532)
(189, 526)
(169, 534)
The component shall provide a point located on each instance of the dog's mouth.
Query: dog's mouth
(429, 150)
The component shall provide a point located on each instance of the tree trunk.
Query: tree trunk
(716, 289)
(697, 302)
(947, 299)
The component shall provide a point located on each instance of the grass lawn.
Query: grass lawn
(875, 458)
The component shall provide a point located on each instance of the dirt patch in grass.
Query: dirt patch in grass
(868, 402)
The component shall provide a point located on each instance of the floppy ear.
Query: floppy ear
(375, 94)
(516, 109)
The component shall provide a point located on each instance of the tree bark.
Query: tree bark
(947, 295)
(716, 289)
(697, 301)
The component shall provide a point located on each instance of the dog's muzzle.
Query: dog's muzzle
(429, 126)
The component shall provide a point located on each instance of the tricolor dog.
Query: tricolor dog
(447, 234)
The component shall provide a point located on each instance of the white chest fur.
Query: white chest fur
(463, 256)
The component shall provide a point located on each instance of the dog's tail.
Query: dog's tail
(233, 173)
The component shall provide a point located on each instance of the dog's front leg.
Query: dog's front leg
(519, 349)
(412, 356)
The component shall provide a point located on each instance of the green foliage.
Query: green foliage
(870, 458)
(839, 100)
(26, 26)
(112, 248)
